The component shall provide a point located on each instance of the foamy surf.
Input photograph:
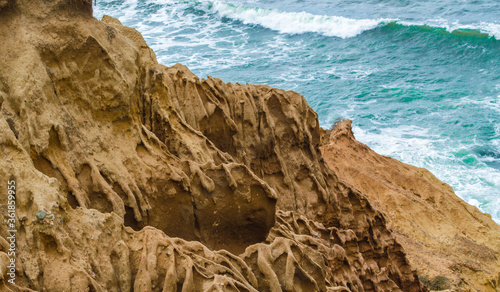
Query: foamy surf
(339, 26)
(297, 22)
(304, 22)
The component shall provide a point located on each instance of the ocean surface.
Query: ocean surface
(419, 79)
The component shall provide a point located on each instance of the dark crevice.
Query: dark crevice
(12, 127)
(129, 219)
(196, 221)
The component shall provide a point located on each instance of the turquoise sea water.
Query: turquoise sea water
(419, 79)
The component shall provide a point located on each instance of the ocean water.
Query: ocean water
(419, 79)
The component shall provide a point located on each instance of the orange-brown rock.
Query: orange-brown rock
(154, 180)
(443, 235)
(277, 135)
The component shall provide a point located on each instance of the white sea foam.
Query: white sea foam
(486, 103)
(473, 202)
(297, 22)
(493, 29)
(349, 73)
(337, 26)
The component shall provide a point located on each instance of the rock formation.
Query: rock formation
(133, 176)
(442, 235)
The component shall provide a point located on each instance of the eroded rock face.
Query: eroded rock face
(272, 131)
(276, 134)
(127, 156)
(443, 235)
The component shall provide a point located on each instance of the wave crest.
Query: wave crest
(338, 26)
(297, 22)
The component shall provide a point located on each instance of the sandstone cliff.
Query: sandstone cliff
(442, 235)
(132, 176)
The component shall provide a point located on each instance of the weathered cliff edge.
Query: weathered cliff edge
(154, 180)
(443, 236)
(127, 157)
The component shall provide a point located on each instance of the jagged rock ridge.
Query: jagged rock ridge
(128, 156)
(442, 235)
